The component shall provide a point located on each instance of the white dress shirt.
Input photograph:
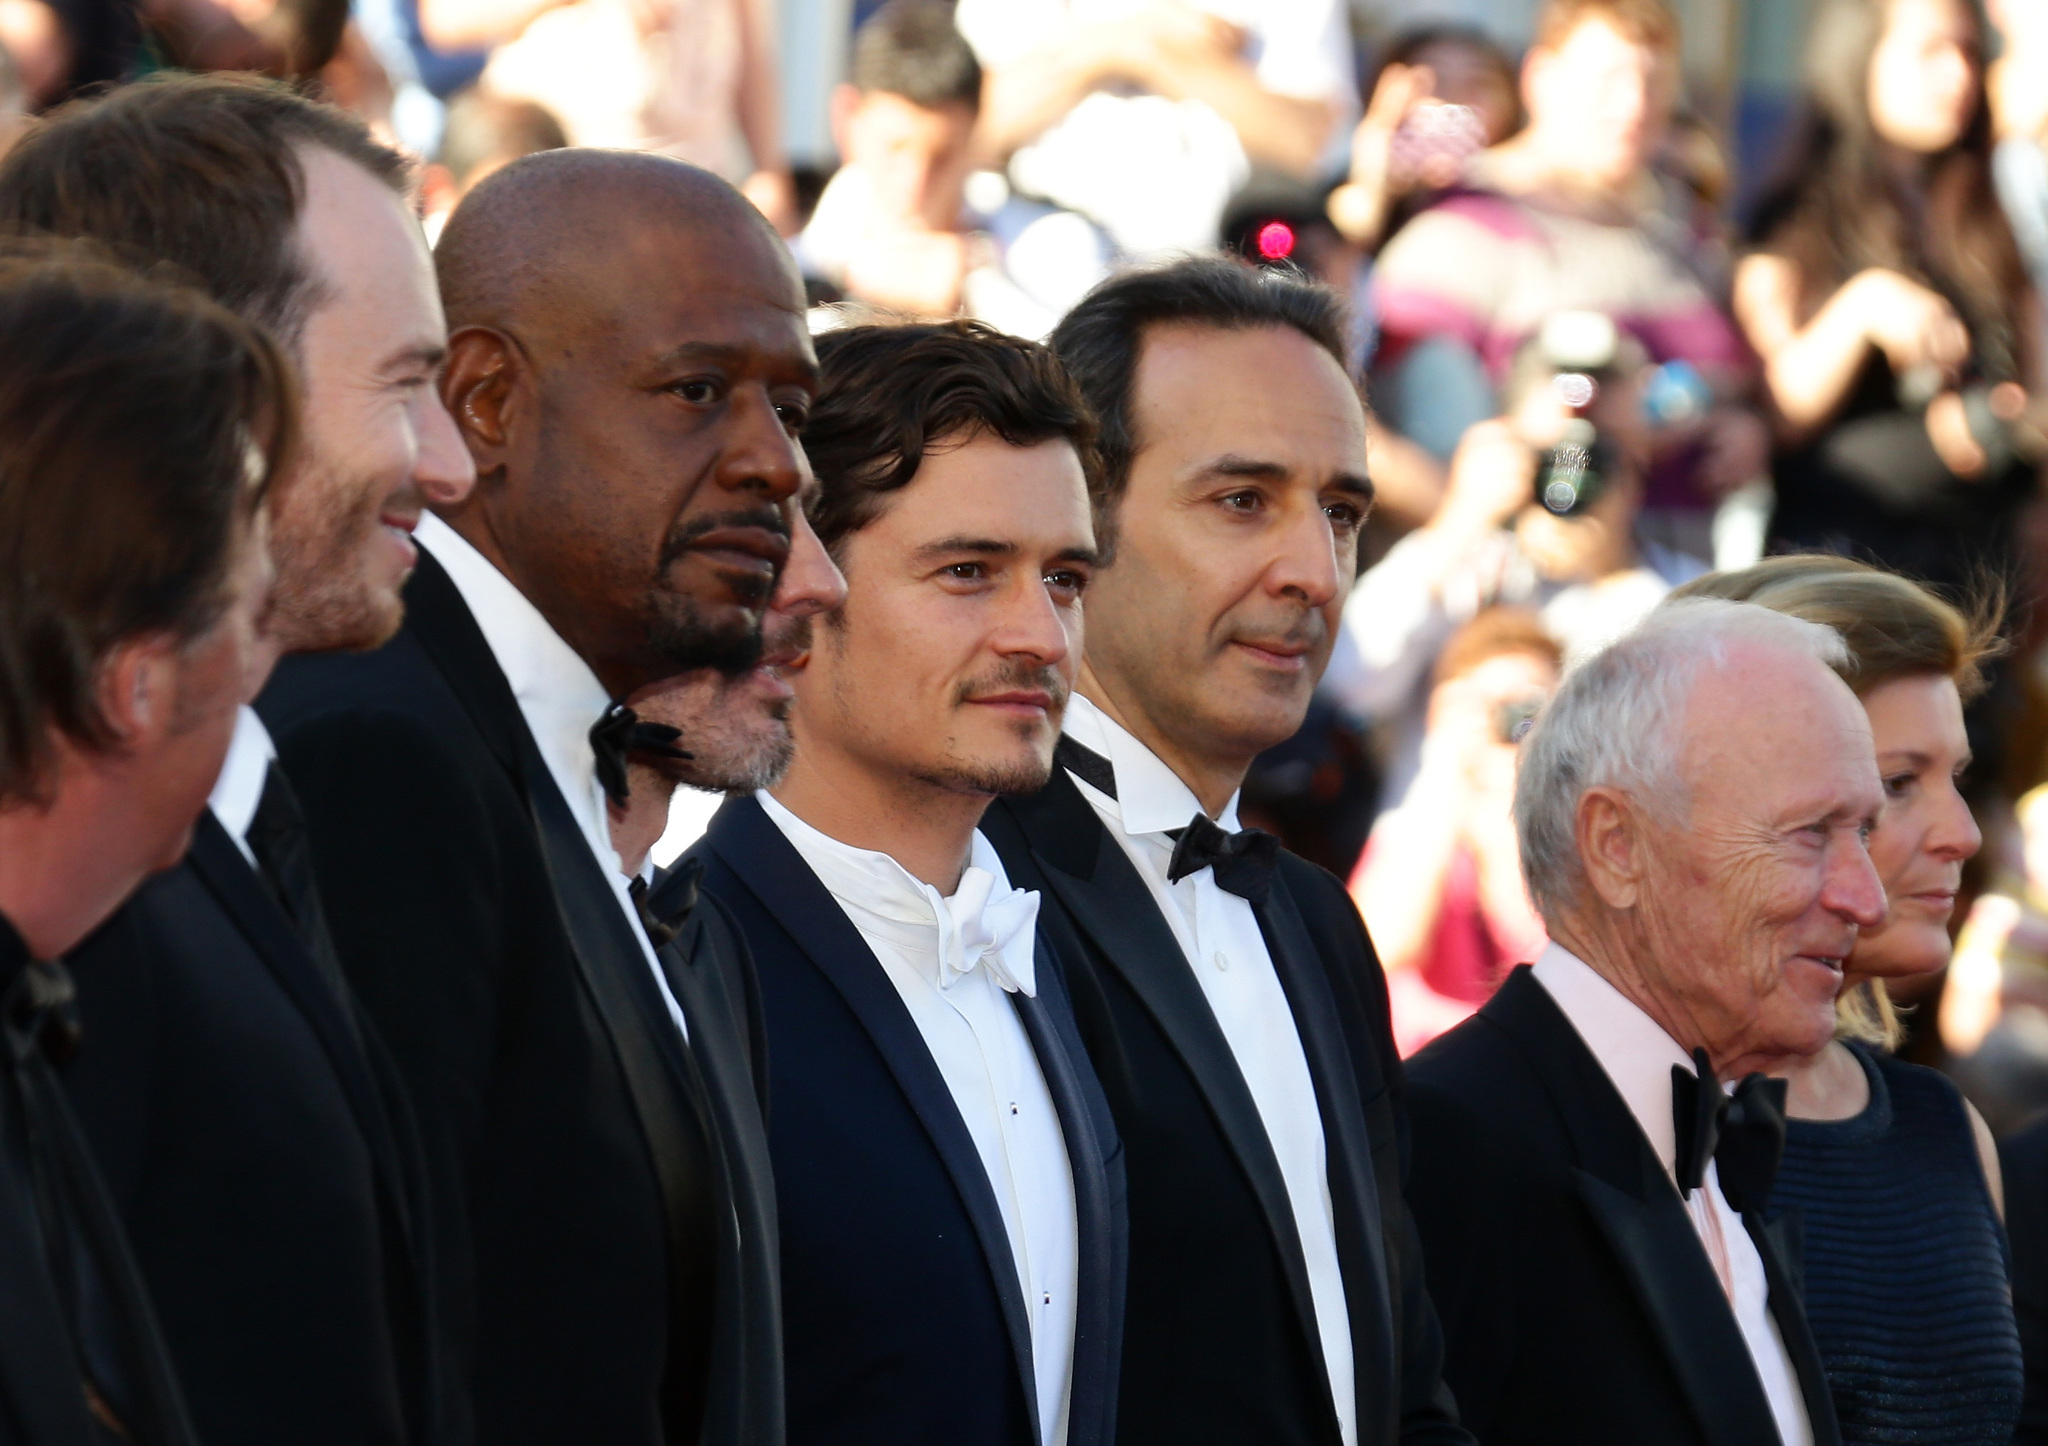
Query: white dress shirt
(558, 696)
(983, 1053)
(1637, 1055)
(239, 789)
(1219, 934)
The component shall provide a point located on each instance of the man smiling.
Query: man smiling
(629, 366)
(1231, 1002)
(1589, 1200)
(943, 1160)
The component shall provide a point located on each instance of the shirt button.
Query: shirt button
(1048, 1297)
(1013, 1107)
(1222, 959)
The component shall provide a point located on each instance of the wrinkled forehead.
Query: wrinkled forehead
(1772, 735)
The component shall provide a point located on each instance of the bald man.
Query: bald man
(628, 365)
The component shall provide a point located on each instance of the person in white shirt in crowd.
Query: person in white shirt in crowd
(947, 1175)
(1694, 808)
(903, 225)
(1147, 115)
(1231, 1001)
(1500, 537)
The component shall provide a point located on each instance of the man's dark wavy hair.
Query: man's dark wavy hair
(1103, 337)
(889, 395)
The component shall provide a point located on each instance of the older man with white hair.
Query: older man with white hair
(1692, 810)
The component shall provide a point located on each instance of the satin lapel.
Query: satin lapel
(1354, 1190)
(754, 848)
(749, 1284)
(1092, 1414)
(1638, 1212)
(437, 616)
(1776, 1243)
(244, 897)
(39, 1375)
(1111, 905)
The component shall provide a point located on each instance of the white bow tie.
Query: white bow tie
(976, 929)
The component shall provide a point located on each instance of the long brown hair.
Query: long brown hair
(1843, 204)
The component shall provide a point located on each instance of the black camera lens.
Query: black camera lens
(1572, 475)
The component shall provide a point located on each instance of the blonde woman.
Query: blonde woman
(1892, 1171)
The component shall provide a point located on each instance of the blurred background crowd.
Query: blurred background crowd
(1641, 289)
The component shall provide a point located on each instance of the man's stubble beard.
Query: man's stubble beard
(1004, 779)
(321, 600)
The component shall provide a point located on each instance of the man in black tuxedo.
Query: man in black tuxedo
(139, 428)
(1590, 1199)
(629, 366)
(248, 1120)
(1230, 999)
(944, 1161)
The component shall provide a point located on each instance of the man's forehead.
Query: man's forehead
(1217, 390)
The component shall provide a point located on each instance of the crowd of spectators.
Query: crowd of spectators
(1592, 378)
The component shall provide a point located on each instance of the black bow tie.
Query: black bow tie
(619, 733)
(664, 908)
(1243, 861)
(41, 1011)
(1743, 1134)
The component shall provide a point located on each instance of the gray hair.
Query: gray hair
(1615, 723)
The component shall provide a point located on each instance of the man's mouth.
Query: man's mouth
(1279, 653)
(1024, 702)
(744, 549)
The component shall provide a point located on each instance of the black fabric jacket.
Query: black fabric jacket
(905, 1320)
(1221, 1342)
(257, 1142)
(604, 1211)
(1577, 1301)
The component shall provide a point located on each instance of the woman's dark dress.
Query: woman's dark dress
(1905, 1261)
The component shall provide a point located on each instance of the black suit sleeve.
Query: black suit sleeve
(1429, 1415)
(404, 845)
(2024, 1161)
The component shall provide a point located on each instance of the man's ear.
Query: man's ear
(477, 386)
(1609, 832)
(137, 691)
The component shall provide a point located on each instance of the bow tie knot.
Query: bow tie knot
(1743, 1134)
(619, 733)
(980, 928)
(41, 1011)
(1243, 861)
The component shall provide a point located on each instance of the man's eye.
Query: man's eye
(1065, 581)
(1246, 501)
(968, 571)
(1348, 516)
(793, 415)
(698, 392)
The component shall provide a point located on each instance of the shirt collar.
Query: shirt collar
(882, 897)
(1150, 797)
(557, 692)
(239, 789)
(1632, 1047)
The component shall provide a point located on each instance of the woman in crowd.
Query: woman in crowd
(1440, 882)
(1893, 1172)
(1889, 304)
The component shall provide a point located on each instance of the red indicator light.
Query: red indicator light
(1276, 239)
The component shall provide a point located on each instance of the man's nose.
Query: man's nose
(1032, 624)
(761, 457)
(443, 470)
(811, 582)
(1852, 888)
(1306, 565)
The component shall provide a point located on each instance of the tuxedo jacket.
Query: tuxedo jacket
(904, 1318)
(2023, 1159)
(1221, 1342)
(604, 1210)
(258, 1147)
(1577, 1301)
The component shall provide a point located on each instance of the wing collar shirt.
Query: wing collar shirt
(953, 961)
(1638, 1055)
(239, 789)
(1220, 935)
(558, 696)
